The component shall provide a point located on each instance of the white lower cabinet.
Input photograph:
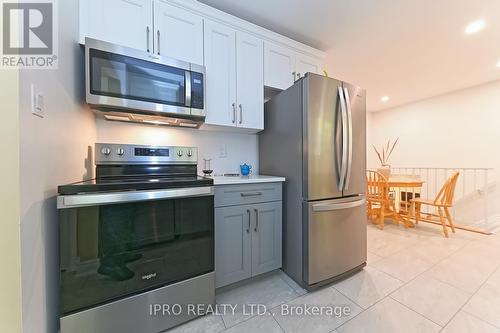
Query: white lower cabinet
(248, 237)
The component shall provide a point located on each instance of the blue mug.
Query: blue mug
(245, 169)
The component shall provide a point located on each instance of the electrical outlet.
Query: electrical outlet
(37, 102)
(223, 151)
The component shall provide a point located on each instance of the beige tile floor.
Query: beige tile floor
(415, 281)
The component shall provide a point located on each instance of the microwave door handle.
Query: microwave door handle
(188, 88)
(343, 161)
(349, 139)
(158, 41)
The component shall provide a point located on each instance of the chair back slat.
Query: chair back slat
(445, 195)
(377, 186)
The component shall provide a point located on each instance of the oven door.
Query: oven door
(116, 245)
(123, 78)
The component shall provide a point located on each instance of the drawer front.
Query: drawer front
(231, 195)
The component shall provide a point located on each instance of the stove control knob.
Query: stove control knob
(190, 153)
(105, 151)
(179, 153)
(120, 151)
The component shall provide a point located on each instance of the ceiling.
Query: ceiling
(405, 49)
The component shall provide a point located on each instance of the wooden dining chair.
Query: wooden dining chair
(379, 203)
(442, 202)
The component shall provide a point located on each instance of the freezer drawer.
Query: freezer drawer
(334, 237)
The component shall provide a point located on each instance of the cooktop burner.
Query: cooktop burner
(135, 168)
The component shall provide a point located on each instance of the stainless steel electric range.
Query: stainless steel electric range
(138, 237)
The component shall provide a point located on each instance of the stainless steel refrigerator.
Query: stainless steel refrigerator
(315, 136)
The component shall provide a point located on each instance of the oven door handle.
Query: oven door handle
(99, 199)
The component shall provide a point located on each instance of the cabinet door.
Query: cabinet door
(250, 81)
(110, 21)
(266, 237)
(178, 33)
(279, 64)
(220, 66)
(306, 64)
(232, 244)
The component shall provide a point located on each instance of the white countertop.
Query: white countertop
(228, 180)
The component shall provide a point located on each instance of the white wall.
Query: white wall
(460, 129)
(241, 148)
(53, 151)
(58, 149)
(10, 284)
(456, 130)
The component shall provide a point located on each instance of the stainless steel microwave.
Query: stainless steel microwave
(140, 86)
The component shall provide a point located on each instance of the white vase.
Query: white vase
(385, 170)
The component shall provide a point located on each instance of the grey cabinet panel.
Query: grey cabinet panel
(231, 195)
(266, 237)
(248, 231)
(233, 228)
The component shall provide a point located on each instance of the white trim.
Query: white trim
(236, 23)
(83, 25)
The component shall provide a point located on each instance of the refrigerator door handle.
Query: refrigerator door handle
(349, 140)
(343, 162)
(326, 207)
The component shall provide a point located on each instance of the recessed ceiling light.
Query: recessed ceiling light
(475, 27)
(384, 99)
(498, 63)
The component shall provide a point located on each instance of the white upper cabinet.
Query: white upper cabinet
(235, 77)
(306, 64)
(283, 66)
(250, 81)
(240, 58)
(279, 64)
(178, 33)
(220, 63)
(123, 22)
(154, 26)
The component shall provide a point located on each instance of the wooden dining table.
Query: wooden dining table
(401, 181)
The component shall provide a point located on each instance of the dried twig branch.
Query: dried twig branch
(386, 151)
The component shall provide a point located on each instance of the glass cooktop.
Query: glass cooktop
(134, 183)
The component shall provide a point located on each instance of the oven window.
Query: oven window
(115, 251)
(125, 77)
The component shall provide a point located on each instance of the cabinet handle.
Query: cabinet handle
(248, 228)
(253, 194)
(293, 75)
(256, 220)
(234, 112)
(241, 113)
(147, 38)
(158, 42)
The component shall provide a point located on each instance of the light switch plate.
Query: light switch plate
(223, 151)
(37, 102)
